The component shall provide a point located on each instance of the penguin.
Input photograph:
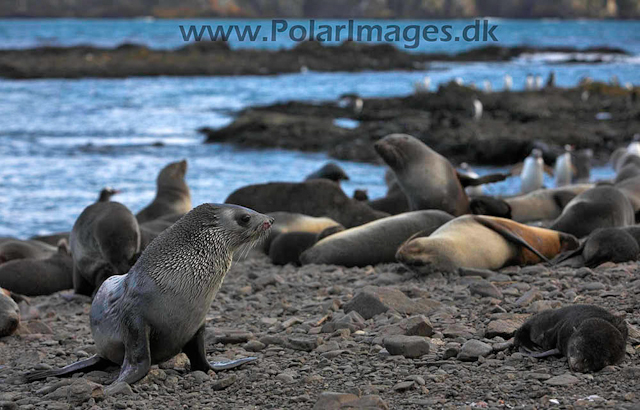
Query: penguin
(563, 171)
(538, 83)
(477, 109)
(531, 172)
(487, 86)
(508, 82)
(529, 83)
(423, 86)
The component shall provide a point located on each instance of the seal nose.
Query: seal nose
(267, 224)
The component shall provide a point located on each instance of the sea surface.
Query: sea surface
(61, 141)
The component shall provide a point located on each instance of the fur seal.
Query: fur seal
(11, 249)
(105, 195)
(150, 230)
(630, 187)
(9, 313)
(159, 308)
(589, 336)
(603, 206)
(482, 242)
(582, 162)
(330, 171)
(172, 196)
(34, 277)
(605, 245)
(539, 205)
(427, 178)
(287, 247)
(286, 222)
(105, 240)
(375, 242)
(316, 197)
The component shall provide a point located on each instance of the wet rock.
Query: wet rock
(407, 346)
(484, 288)
(222, 384)
(372, 301)
(473, 349)
(566, 379)
(336, 401)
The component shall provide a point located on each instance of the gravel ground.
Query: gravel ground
(450, 333)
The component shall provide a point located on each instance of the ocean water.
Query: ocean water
(61, 141)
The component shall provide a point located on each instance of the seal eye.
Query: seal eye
(244, 219)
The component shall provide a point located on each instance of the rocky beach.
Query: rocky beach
(328, 337)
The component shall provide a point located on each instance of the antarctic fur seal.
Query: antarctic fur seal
(427, 178)
(375, 242)
(316, 197)
(9, 313)
(34, 277)
(589, 336)
(289, 222)
(538, 205)
(330, 171)
(172, 195)
(11, 249)
(603, 206)
(159, 308)
(482, 242)
(605, 245)
(105, 240)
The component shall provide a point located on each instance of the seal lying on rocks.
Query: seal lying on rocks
(589, 336)
(9, 313)
(158, 309)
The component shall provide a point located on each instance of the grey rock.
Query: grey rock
(484, 288)
(373, 300)
(566, 379)
(335, 401)
(222, 384)
(407, 346)
(254, 346)
(473, 349)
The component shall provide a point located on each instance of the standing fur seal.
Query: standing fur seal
(172, 196)
(34, 277)
(427, 178)
(159, 308)
(330, 171)
(601, 207)
(9, 313)
(482, 242)
(539, 205)
(375, 242)
(104, 241)
(589, 336)
(316, 197)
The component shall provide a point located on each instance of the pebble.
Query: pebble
(485, 288)
(566, 379)
(473, 349)
(407, 346)
(222, 384)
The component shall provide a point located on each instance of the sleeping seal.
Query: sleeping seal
(34, 277)
(589, 336)
(603, 206)
(427, 178)
(159, 308)
(482, 242)
(105, 240)
(172, 195)
(375, 242)
(11, 249)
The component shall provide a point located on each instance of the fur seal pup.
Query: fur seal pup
(564, 168)
(35, 277)
(330, 171)
(427, 178)
(482, 242)
(539, 205)
(605, 245)
(287, 247)
(159, 308)
(286, 222)
(11, 249)
(603, 206)
(316, 197)
(105, 241)
(9, 313)
(589, 336)
(375, 242)
(172, 195)
(582, 162)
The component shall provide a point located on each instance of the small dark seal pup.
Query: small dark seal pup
(158, 309)
(105, 241)
(330, 171)
(605, 245)
(172, 195)
(9, 313)
(589, 336)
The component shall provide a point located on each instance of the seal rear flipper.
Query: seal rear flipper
(218, 366)
(509, 235)
(95, 362)
(540, 355)
(568, 255)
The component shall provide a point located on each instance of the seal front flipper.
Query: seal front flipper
(194, 349)
(509, 235)
(468, 180)
(95, 362)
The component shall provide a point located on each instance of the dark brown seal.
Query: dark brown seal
(172, 195)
